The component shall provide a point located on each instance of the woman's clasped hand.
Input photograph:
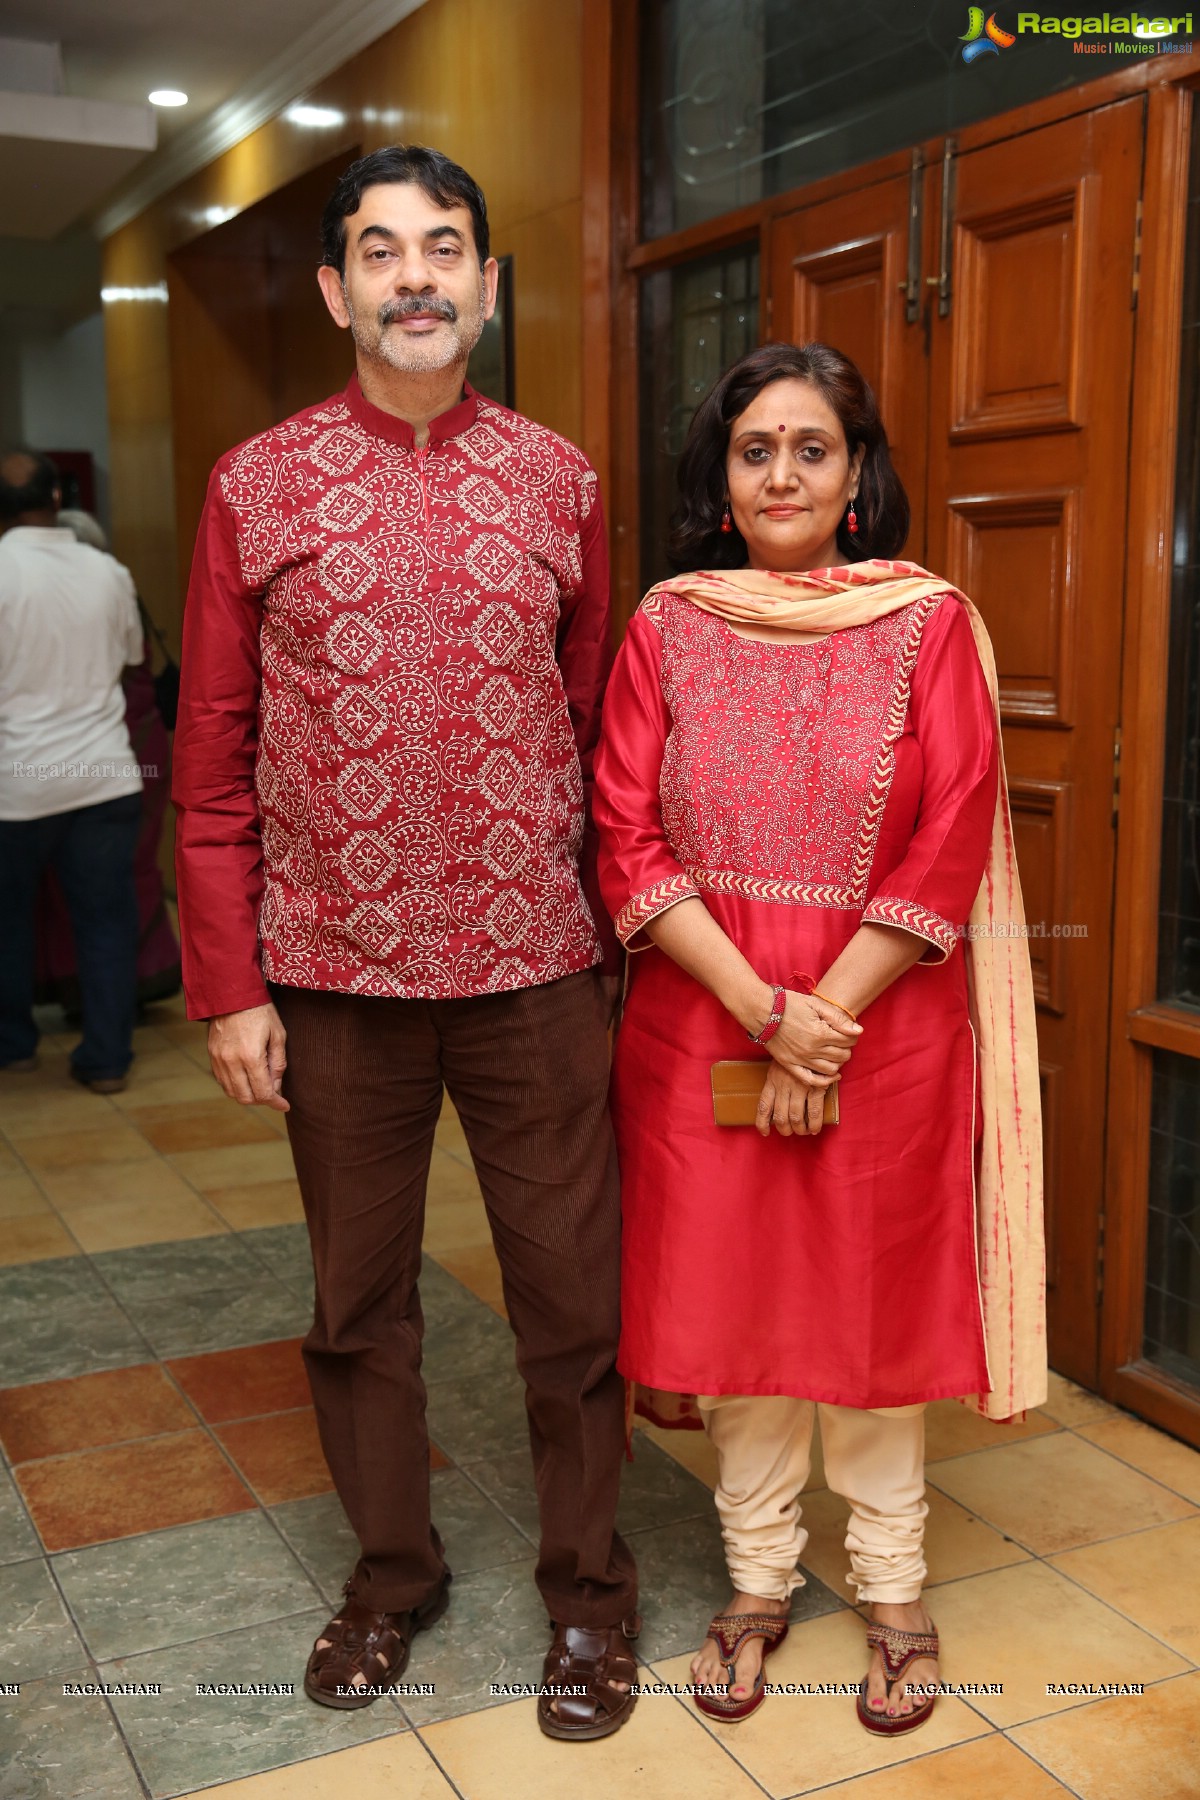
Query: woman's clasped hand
(809, 1051)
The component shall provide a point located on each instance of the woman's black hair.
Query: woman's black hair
(697, 541)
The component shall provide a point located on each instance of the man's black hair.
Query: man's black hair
(439, 179)
(36, 493)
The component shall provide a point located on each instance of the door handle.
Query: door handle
(912, 286)
(945, 260)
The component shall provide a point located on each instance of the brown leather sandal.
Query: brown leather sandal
(899, 1650)
(577, 1680)
(730, 1632)
(373, 1644)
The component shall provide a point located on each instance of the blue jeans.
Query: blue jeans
(91, 851)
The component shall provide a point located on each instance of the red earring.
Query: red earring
(727, 519)
(852, 519)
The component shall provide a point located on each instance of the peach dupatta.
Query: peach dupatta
(1008, 1209)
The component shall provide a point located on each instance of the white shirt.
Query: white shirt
(68, 626)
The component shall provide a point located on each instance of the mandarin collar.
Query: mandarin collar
(398, 431)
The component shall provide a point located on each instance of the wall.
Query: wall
(496, 86)
(52, 390)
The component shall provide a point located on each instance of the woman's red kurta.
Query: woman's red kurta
(799, 790)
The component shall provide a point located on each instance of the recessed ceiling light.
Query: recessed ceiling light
(314, 115)
(167, 97)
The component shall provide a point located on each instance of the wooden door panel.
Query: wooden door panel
(837, 274)
(1029, 397)
(1004, 546)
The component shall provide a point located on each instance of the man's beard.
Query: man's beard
(417, 356)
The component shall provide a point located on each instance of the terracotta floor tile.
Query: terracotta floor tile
(951, 1429)
(121, 1224)
(280, 1456)
(990, 1768)
(55, 1418)
(477, 1268)
(130, 1488)
(1029, 1628)
(437, 1459)
(236, 1165)
(1069, 1404)
(259, 1203)
(199, 1125)
(1153, 1577)
(1161, 1457)
(168, 1090)
(35, 1238)
(20, 1197)
(150, 1183)
(1054, 1493)
(241, 1384)
(1141, 1745)
(394, 1767)
(49, 1152)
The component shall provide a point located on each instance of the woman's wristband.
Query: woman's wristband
(818, 995)
(778, 1002)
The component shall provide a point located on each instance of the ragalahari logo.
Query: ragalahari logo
(980, 39)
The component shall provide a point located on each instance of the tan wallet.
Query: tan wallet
(737, 1088)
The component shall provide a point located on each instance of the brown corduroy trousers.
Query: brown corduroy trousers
(527, 1072)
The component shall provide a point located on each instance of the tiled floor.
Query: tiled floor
(166, 1517)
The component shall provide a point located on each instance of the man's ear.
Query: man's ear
(333, 293)
(491, 280)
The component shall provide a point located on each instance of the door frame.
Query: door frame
(614, 259)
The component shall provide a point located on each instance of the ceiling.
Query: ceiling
(236, 61)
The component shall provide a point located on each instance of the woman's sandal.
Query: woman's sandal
(578, 1698)
(899, 1649)
(729, 1632)
(374, 1645)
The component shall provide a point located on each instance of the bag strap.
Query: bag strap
(149, 625)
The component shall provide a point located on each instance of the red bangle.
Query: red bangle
(778, 1002)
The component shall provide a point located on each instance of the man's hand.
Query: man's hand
(246, 1050)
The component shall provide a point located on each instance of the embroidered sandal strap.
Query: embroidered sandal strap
(899, 1649)
(729, 1631)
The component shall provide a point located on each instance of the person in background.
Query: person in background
(158, 971)
(70, 787)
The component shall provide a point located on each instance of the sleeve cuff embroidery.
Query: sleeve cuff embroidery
(649, 903)
(883, 910)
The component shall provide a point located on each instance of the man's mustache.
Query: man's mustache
(439, 307)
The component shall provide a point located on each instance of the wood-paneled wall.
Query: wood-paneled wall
(499, 87)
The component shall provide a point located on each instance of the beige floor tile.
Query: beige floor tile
(9, 1162)
(238, 1165)
(20, 1196)
(148, 1038)
(65, 1108)
(150, 1182)
(450, 1180)
(664, 1750)
(477, 1267)
(34, 1239)
(1055, 1493)
(798, 1742)
(1069, 1404)
(120, 1224)
(386, 1769)
(1153, 1577)
(210, 1124)
(259, 1203)
(54, 1151)
(952, 1429)
(1137, 1747)
(1161, 1457)
(989, 1768)
(450, 1135)
(956, 1542)
(692, 1449)
(1028, 1628)
(168, 1090)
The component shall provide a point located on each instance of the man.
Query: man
(70, 787)
(395, 646)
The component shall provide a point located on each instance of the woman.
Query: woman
(801, 806)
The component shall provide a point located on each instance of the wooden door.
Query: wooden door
(1006, 400)
(841, 273)
(1030, 374)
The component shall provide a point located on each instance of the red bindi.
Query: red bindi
(783, 428)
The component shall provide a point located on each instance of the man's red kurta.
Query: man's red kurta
(799, 790)
(393, 665)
